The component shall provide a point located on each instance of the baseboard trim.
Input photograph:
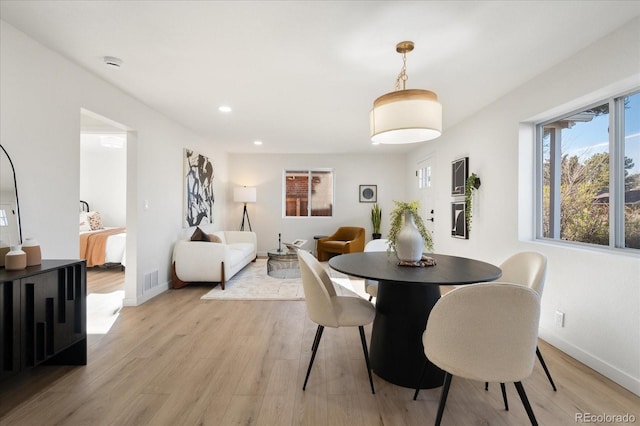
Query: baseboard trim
(620, 377)
(139, 300)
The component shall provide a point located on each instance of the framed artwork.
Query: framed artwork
(458, 221)
(198, 189)
(368, 193)
(459, 175)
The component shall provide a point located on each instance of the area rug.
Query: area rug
(253, 283)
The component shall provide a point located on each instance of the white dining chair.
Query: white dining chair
(485, 332)
(327, 309)
(371, 286)
(529, 269)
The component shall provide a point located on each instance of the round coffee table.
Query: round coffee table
(283, 264)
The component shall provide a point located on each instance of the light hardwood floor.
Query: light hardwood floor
(179, 360)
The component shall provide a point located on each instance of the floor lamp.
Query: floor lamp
(245, 195)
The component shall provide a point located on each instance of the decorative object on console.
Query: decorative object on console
(376, 221)
(368, 193)
(473, 183)
(32, 249)
(15, 259)
(198, 189)
(405, 115)
(245, 195)
(4, 249)
(408, 236)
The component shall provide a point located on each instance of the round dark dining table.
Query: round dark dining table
(406, 295)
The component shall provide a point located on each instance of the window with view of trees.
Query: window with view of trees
(308, 193)
(590, 175)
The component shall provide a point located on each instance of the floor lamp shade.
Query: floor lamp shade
(406, 116)
(244, 194)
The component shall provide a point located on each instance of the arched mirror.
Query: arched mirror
(10, 228)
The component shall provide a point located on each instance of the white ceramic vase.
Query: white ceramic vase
(31, 247)
(15, 259)
(409, 243)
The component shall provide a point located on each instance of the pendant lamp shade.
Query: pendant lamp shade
(405, 115)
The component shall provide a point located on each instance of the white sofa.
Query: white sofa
(201, 261)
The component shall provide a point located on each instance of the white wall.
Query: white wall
(598, 290)
(103, 179)
(41, 95)
(265, 172)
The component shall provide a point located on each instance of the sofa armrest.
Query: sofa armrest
(199, 260)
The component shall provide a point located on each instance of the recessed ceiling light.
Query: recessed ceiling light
(112, 62)
(224, 108)
(257, 142)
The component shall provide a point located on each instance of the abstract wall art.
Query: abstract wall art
(198, 189)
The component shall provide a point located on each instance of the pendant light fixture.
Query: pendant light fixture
(405, 115)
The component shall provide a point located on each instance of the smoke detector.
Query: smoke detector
(112, 61)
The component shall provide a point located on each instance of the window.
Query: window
(589, 175)
(4, 221)
(308, 193)
(424, 177)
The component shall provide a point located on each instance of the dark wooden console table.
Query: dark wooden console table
(43, 316)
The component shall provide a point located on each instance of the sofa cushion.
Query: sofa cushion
(199, 235)
(214, 238)
(243, 247)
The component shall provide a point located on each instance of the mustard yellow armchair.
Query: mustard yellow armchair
(347, 239)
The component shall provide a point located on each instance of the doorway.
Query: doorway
(426, 191)
(103, 194)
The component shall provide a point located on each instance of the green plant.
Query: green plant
(376, 218)
(397, 215)
(473, 183)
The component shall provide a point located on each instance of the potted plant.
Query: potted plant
(407, 229)
(376, 220)
(473, 183)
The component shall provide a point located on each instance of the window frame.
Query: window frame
(309, 172)
(616, 175)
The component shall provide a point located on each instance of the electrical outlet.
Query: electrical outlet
(559, 319)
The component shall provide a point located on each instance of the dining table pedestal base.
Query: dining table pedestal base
(397, 353)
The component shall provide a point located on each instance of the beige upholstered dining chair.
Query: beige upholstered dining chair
(327, 309)
(529, 269)
(484, 332)
(371, 286)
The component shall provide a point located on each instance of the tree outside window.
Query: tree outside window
(578, 152)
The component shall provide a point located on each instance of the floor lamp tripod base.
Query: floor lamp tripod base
(245, 214)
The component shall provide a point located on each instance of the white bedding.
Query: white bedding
(115, 249)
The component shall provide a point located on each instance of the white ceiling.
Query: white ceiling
(302, 75)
